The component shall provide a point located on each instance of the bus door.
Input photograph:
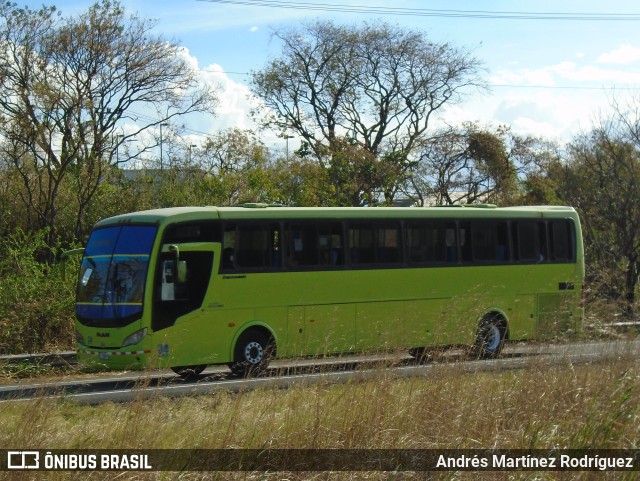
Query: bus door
(182, 280)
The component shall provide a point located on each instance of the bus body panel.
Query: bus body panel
(352, 308)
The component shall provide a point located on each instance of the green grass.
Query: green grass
(13, 371)
(588, 406)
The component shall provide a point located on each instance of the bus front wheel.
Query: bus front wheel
(490, 338)
(253, 353)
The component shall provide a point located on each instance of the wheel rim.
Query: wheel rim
(492, 338)
(253, 352)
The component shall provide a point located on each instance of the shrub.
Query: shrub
(36, 297)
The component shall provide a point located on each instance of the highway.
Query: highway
(130, 386)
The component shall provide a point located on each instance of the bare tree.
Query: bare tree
(466, 165)
(376, 86)
(67, 84)
(603, 181)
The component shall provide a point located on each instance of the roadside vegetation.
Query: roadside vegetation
(542, 406)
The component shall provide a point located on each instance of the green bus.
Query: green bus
(188, 287)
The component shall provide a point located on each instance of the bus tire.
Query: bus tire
(490, 337)
(189, 371)
(252, 353)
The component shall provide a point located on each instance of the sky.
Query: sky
(551, 74)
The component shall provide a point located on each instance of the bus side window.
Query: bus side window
(527, 240)
(465, 240)
(490, 241)
(417, 243)
(228, 258)
(375, 243)
(302, 245)
(229, 247)
(361, 244)
(561, 241)
(317, 245)
(451, 241)
(485, 243)
(530, 241)
(504, 251)
(274, 245)
(330, 244)
(426, 242)
(251, 246)
(193, 231)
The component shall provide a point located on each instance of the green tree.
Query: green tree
(466, 165)
(66, 83)
(603, 181)
(363, 94)
(234, 168)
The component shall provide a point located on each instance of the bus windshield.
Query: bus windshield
(113, 274)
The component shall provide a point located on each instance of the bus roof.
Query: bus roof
(263, 211)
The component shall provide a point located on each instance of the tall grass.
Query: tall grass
(541, 407)
(36, 297)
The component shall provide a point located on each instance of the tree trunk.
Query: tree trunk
(630, 285)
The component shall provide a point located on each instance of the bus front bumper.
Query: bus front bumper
(113, 358)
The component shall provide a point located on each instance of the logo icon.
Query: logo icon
(23, 460)
(163, 350)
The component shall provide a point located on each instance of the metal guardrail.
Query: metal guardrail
(50, 358)
(150, 385)
(625, 326)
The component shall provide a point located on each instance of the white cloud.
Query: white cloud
(235, 102)
(253, 29)
(559, 74)
(523, 77)
(590, 73)
(554, 114)
(623, 55)
(558, 114)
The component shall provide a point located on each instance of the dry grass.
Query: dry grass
(590, 406)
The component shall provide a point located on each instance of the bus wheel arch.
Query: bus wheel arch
(492, 332)
(253, 350)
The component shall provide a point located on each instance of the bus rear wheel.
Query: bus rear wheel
(490, 338)
(188, 371)
(252, 354)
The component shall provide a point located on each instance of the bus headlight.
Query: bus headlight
(135, 338)
(79, 338)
